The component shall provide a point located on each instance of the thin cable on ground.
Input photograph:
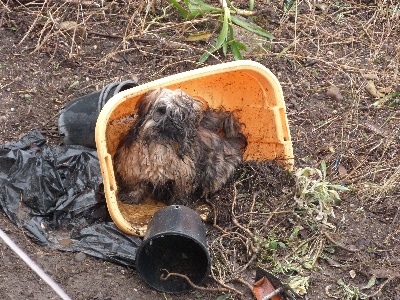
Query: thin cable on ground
(34, 266)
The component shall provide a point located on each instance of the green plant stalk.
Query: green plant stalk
(179, 8)
(251, 5)
(222, 38)
(251, 27)
(194, 8)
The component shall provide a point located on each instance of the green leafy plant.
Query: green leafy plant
(351, 292)
(395, 97)
(315, 194)
(287, 5)
(228, 15)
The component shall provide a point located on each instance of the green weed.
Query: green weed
(228, 15)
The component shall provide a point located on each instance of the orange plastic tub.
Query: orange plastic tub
(245, 87)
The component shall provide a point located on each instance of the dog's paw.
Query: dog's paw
(135, 196)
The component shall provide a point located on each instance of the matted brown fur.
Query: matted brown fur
(177, 151)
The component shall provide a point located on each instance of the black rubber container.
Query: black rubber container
(77, 119)
(175, 242)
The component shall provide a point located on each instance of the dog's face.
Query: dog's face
(168, 115)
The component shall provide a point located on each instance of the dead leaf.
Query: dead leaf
(371, 89)
(203, 36)
(73, 29)
(68, 25)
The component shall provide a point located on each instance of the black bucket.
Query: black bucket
(175, 242)
(77, 119)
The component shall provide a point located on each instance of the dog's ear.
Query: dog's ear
(145, 104)
(197, 104)
(231, 127)
(142, 108)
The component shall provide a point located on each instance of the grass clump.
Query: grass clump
(315, 194)
(228, 14)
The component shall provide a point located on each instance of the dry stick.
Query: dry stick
(5, 6)
(4, 12)
(251, 209)
(253, 257)
(40, 42)
(38, 270)
(268, 213)
(337, 244)
(32, 25)
(299, 246)
(225, 285)
(84, 3)
(270, 217)
(319, 250)
(234, 220)
(215, 217)
(73, 42)
(136, 39)
(195, 286)
(245, 283)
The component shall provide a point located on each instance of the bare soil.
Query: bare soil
(352, 45)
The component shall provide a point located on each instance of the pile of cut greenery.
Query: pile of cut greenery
(271, 218)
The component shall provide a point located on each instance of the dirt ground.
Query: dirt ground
(334, 60)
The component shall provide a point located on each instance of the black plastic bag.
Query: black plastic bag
(55, 195)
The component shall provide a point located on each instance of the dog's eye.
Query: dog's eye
(162, 110)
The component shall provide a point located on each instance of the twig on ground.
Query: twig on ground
(234, 220)
(245, 283)
(215, 217)
(299, 246)
(195, 286)
(83, 3)
(225, 285)
(337, 244)
(319, 250)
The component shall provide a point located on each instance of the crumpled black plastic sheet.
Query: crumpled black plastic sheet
(55, 195)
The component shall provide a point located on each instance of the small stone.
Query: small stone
(342, 170)
(334, 93)
(80, 257)
(12, 108)
(353, 248)
(65, 242)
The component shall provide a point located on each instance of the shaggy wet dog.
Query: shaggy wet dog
(177, 150)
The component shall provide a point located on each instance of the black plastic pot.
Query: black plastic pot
(175, 242)
(77, 119)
